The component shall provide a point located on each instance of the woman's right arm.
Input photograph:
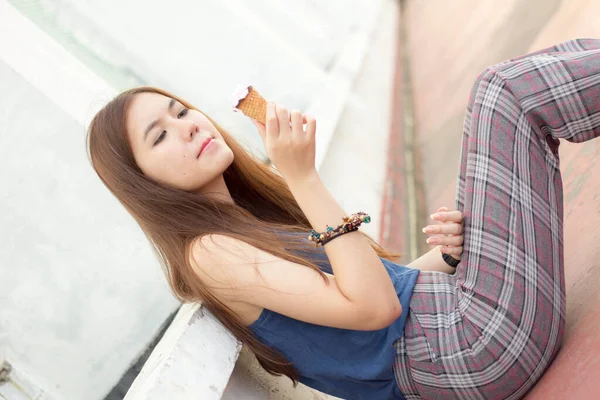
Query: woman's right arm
(238, 271)
(359, 272)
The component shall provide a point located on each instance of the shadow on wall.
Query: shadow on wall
(120, 390)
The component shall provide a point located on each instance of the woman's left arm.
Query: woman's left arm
(448, 238)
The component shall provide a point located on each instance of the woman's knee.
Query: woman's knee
(482, 82)
(491, 85)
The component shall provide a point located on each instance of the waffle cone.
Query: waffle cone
(254, 106)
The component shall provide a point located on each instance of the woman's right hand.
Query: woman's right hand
(449, 235)
(288, 145)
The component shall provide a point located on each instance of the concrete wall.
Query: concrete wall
(449, 43)
(80, 292)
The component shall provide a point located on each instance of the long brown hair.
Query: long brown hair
(173, 219)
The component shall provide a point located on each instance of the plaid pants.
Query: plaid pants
(491, 330)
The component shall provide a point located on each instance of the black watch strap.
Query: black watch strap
(451, 261)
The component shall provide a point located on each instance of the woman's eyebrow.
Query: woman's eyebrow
(153, 123)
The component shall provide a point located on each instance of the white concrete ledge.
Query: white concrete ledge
(193, 360)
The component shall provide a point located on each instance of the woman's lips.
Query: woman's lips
(205, 146)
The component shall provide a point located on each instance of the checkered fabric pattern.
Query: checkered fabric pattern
(491, 330)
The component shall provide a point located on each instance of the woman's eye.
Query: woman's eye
(160, 137)
(182, 113)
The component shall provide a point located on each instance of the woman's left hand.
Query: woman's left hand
(449, 234)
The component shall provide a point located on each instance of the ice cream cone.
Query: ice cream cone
(247, 100)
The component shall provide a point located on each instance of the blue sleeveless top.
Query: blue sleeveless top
(345, 363)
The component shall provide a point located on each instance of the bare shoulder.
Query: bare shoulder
(207, 257)
(219, 260)
(241, 273)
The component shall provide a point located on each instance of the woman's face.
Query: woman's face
(166, 139)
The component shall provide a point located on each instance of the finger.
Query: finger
(311, 127)
(262, 130)
(454, 251)
(272, 124)
(443, 209)
(445, 240)
(296, 121)
(283, 117)
(451, 228)
(448, 216)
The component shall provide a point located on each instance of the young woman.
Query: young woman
(341, 317)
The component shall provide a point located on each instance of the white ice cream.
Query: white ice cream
(238, 95)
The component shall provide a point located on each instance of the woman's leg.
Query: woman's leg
(491, 330)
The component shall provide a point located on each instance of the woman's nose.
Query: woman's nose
(188, 130)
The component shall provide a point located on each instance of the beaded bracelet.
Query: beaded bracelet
(351, 223)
